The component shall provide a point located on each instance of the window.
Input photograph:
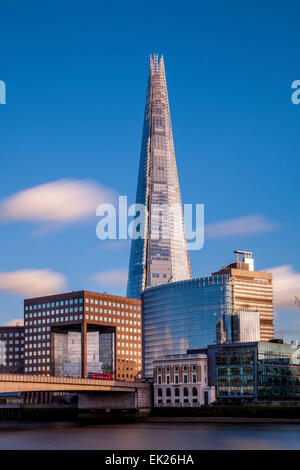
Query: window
(168, 392)
(159, 392)
(195, 392)
(177, 392)
(185, 392)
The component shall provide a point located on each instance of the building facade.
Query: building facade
(183, 315)
(11, 349)
(261, 370)
(75, 333)
(251, 291)
(235, 303)
(245, 326)
(181, 380)
(155, 257)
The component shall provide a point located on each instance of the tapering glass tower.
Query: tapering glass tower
(160, 255)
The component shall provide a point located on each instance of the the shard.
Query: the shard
(160, 255)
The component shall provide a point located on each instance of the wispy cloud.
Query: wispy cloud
(286, 285)
(14, 322)
(239, 226)
(32, 282)
(114, 277)
(56, 203)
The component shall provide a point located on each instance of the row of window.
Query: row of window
(37, 353)
(54, 312)
(11, 334)
(5, 342)
(10, 356)
(112, 304)
(112, 312)
(37, 369)
(53, 304)
(128, 353)
(37, 345)
(185, 379)
(37, 338)
(113, 320)
(177, 392)
(61, 303)
(53, 320)
(37, 361)
(135, 338)
(176, 368)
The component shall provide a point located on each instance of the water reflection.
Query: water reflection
(148, 436)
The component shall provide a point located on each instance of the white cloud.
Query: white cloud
(14, 322)
(114, 277)
(286, 285)
(240, 226)
(59, 202)
(32, 283)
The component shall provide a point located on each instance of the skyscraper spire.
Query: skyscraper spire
(156, 258)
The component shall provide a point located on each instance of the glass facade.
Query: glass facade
(235, 372)
(67, 353)
(259, 370)
(155, 258)
(106, 352)
(2, 353)
(184, 315)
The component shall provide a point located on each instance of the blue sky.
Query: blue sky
(76, 77)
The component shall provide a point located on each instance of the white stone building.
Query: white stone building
(181, 380)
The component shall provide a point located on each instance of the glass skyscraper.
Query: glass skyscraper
(160, 254)
(185, 315)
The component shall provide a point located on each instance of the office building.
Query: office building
(11, 349)
(74, 333)
(183, 315)
(216, 309)
(161, 253)
(181, 380)
(261, 370)
(245, 326)
(251, 291)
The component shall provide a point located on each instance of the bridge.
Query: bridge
(95, 395)
(34, 383)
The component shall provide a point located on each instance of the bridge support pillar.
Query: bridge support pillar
(83, 350)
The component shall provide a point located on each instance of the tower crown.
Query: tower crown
(157, 260)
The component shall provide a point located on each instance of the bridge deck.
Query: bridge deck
(31, 383)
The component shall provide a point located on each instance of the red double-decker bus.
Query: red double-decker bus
(100, 376)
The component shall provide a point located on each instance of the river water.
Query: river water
(156, 436)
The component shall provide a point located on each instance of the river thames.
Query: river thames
(155, 436)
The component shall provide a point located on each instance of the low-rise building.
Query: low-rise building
(77, 333)
(12, 349)
(182, 380)
(255, 371)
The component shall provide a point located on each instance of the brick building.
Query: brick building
(11, 349)
(76, 332)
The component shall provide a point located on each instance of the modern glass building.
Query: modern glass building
(160, 253)
(255, 371)
(67, 353)
(184, 315)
